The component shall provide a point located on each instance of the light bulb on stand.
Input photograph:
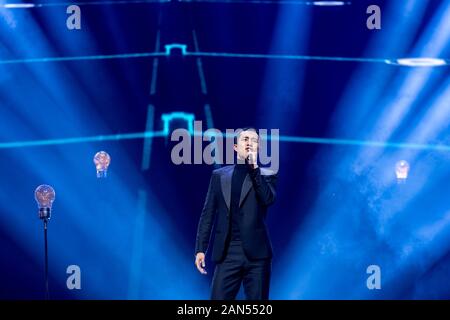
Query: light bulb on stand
(401, 171)
(44, 196)
(102, 161)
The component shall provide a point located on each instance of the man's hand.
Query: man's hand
(200, 262)
(252, 159)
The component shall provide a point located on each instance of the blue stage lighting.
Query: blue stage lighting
(169, 48)
(168, 117)
(329, 3)
(18, 5)
(418, 62)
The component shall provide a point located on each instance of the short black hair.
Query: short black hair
(239, 131)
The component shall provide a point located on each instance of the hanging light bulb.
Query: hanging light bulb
(402, 170)
(44, 195)
(102, 161)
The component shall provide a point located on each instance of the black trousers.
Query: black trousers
(235, 270)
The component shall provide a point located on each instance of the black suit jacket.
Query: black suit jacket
(258, 193)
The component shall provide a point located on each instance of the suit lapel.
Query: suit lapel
(225, 180)
(246, 186)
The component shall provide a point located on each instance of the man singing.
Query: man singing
(237, 202)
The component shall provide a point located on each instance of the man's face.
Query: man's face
(247, 142)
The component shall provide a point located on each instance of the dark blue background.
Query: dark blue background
(339, 208)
